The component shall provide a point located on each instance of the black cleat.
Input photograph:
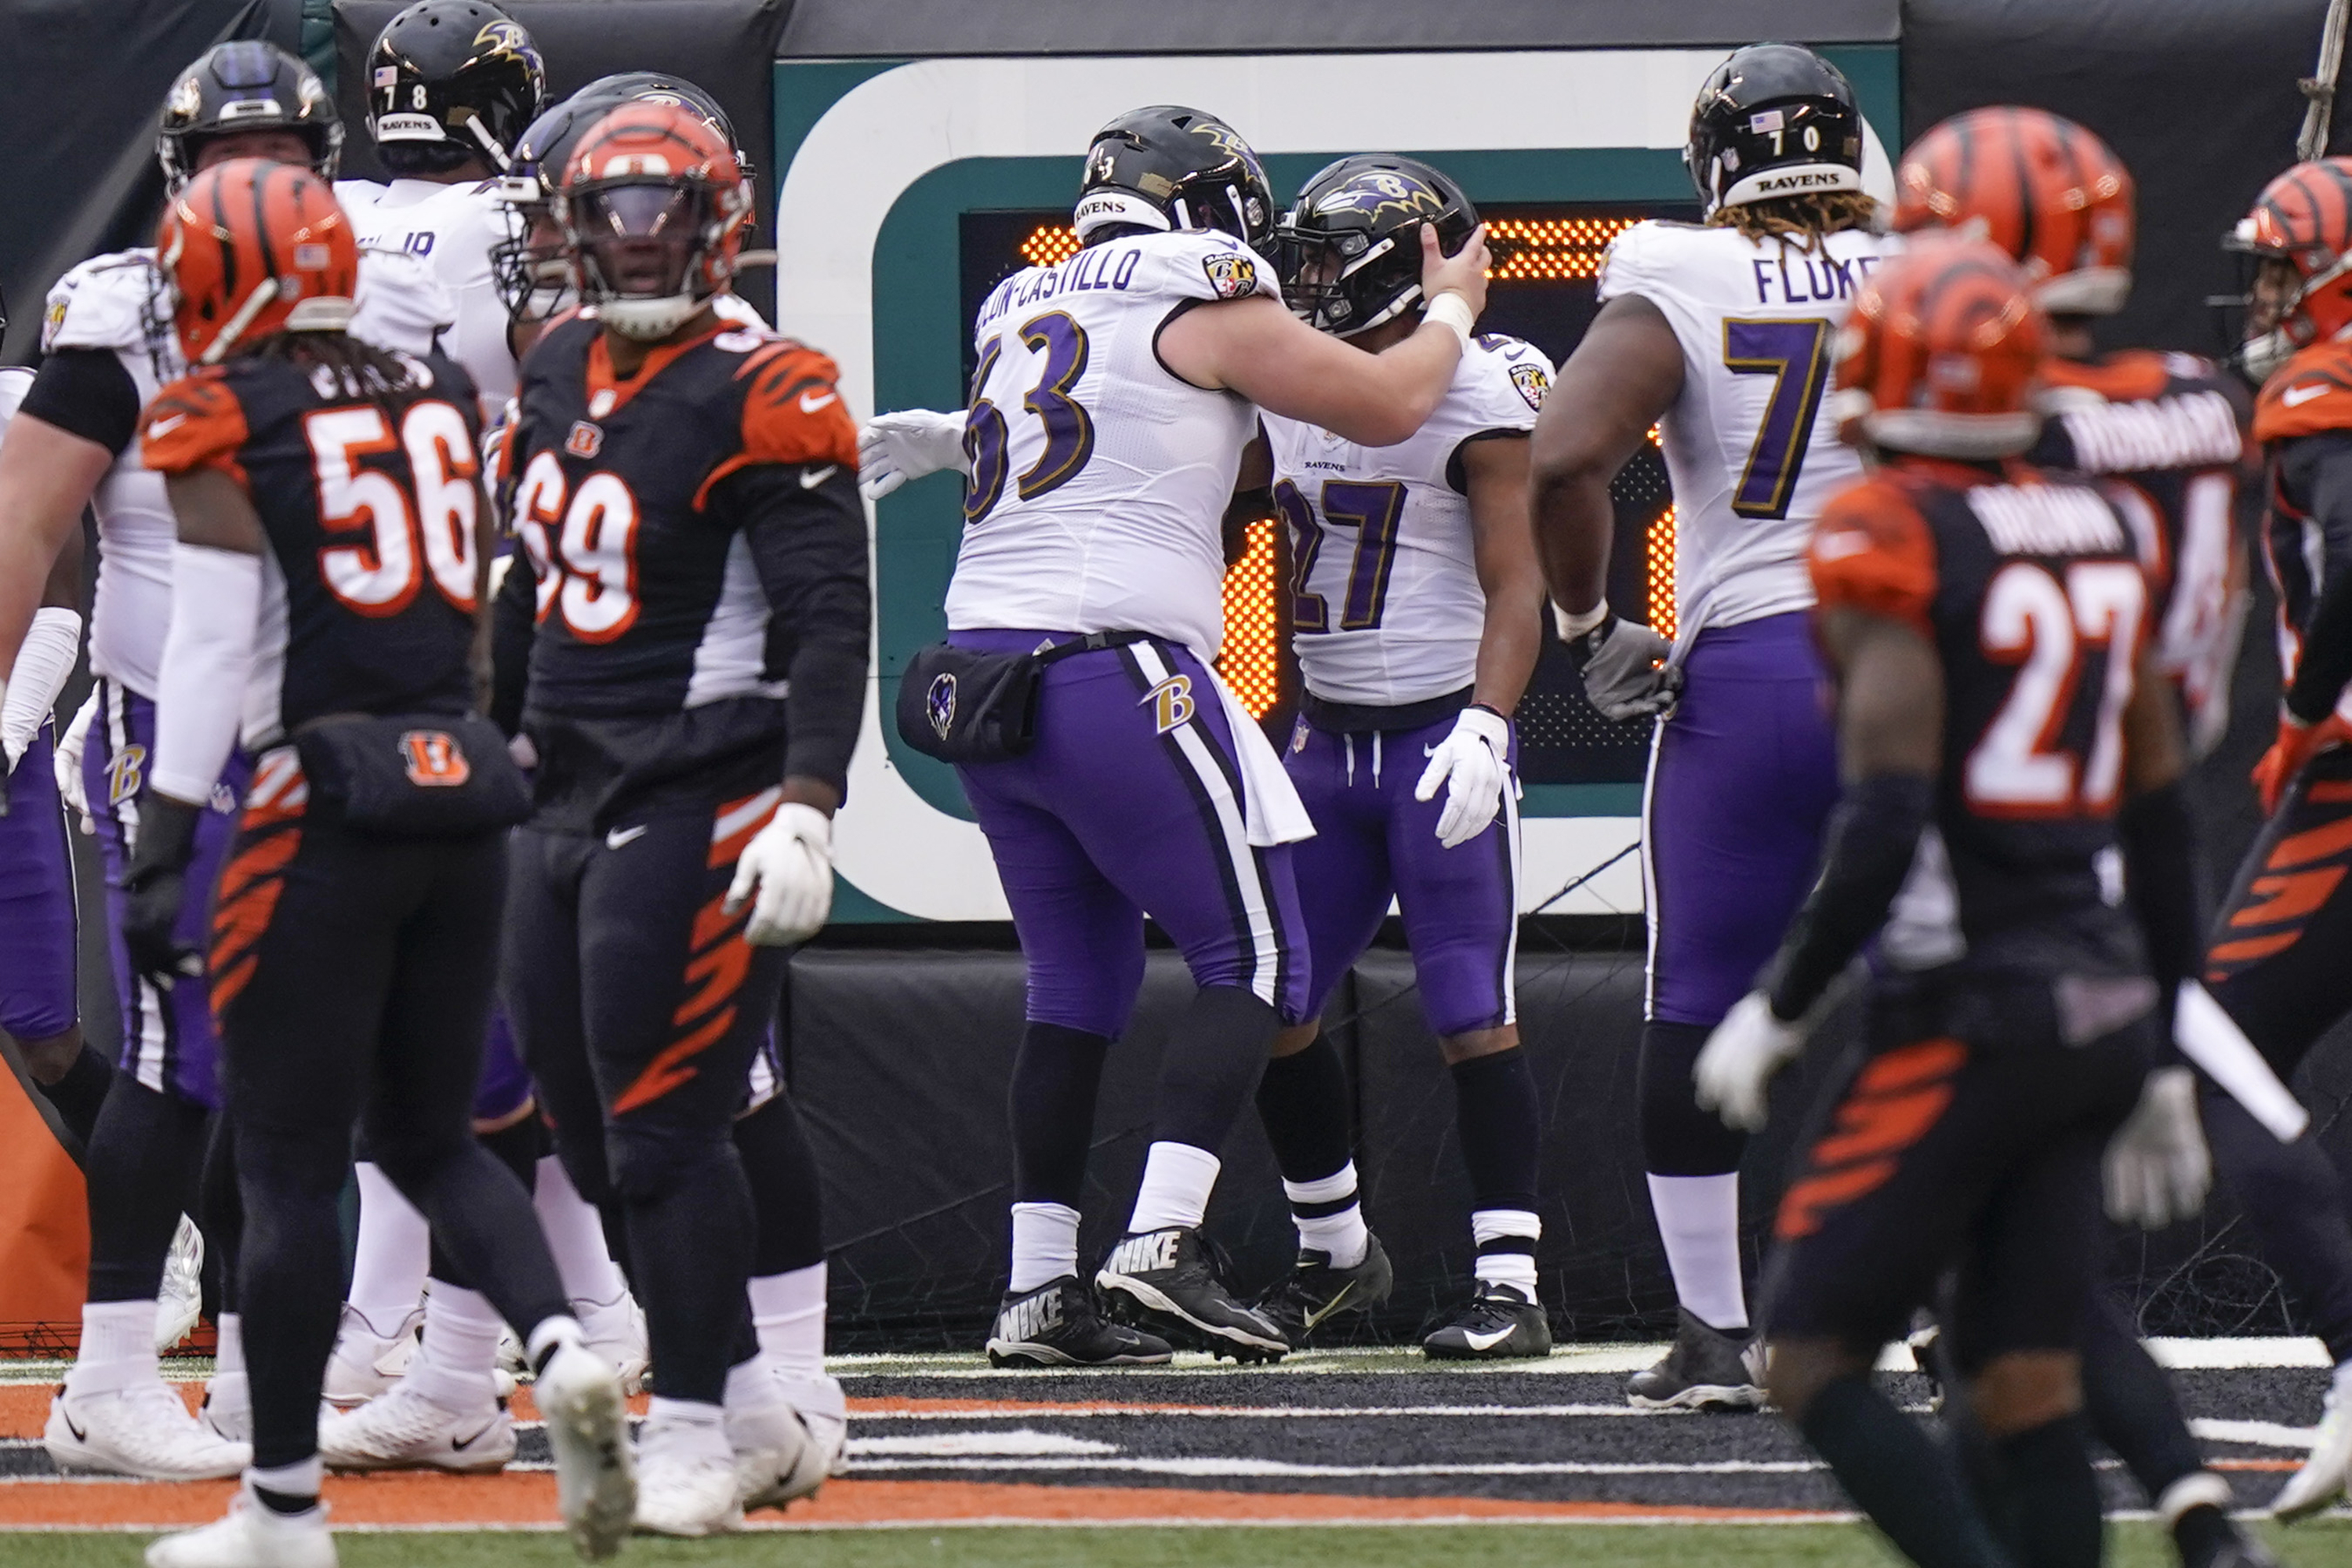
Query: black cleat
(1173, 1280)
(1497, 1323)
(1060, 1324)
(1707, 1369)
(2208, 1538)
(1314, 1292)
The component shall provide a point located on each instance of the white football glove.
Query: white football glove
(67, 760)
(907, 445)
(1735, 1068)
(1472, 763)
(2157, 1168)
(790, 863)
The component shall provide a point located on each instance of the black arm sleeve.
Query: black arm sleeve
(2320, 469)
(86, 393)
(1873, 836)
(512, 627)
(808, 543)
(2160, 877)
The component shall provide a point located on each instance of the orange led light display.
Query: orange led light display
(1049, 245)
(1548, 249)
(1251, 660)
(1658, 572)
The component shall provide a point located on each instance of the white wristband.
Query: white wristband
(1574, 627)
(1453, 312)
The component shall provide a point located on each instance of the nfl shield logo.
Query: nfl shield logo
(940, 704)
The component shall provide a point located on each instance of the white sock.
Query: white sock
(1339, 1233)
(118, 1336)
(692, 1425)
(1510, 1265)
(228, 1359)
(575, 1234)
(1698, 1219)
(454, 1366)
(1045, 1244)
(753, 1383)
(1177, 1180)
(788, 1311)
(392, 1253)
(301, 1478)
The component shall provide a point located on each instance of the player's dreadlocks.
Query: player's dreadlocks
(359, 369)
(1802, 219)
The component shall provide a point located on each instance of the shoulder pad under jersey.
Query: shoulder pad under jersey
(1507, 379)
(1203, 264)
(2310, 394)
(400, 305)
(107, 302)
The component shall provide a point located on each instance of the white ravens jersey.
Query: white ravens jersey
(1099, 480)
(1387, 609)
(450, 230)
(1750, 462)
(116, 303)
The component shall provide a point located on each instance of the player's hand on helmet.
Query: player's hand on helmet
(907, 445)
(67, 761)
(1463, 273)
(786, 874)
(1624, 668)
(2157, 1169)
(1735, 1068)
(155, 888)
(2297, 744)
(1473, 766)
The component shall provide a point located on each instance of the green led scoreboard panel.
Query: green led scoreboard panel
(904, 191)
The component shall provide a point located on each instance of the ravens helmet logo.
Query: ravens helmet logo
(1384, 190)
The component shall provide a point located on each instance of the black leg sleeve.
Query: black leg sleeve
(1678, 1139)
(1303, 1101)
(774, 1150)
(141, 1170)
(1055, 1076)
(1215, 1055)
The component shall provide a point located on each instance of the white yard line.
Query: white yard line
(1208, 1465)
(2257, 1434)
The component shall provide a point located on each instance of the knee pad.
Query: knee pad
(651, 1162)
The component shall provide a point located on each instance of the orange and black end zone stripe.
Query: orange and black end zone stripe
(267, 837)
(718, 960)
(2298, 878)
(1894, 1102)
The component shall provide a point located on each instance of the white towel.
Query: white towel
(1274, 812)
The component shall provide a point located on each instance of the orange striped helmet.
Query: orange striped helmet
(1939, 355)
(2302, 221)
(2043, 189)
(249, 248)
(654, 206)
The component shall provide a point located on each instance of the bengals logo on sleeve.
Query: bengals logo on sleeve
(792, 413)
(1873, 552)
(194, 423)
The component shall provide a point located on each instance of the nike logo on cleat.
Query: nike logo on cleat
(462, 1444)
(79, 1436)
(1478, 1342)
(622, 836)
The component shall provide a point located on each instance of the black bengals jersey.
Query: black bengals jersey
(2303, 420)
(697, 552)
(2029, 586)
(369, 498)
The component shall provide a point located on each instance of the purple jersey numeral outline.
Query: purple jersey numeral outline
(1773, 347)
(984, 438)
(1375, 509)
(1069, 429)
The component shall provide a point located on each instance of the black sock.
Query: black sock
(2294, 1200)
(692, 1243)
(140, 1168)
(1896, 1475)
(1055, 1077)
(1302, 1100)
(2131, 1404)
(1501, 1128)
(2202, 1533)
(518, 1148)
(2052, 1495)
(1678, 1139)
(1214, 1056)
(80, 1093)
(784, 1192)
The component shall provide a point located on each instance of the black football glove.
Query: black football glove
(1625, 673)
(155, 886)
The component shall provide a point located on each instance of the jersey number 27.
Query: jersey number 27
(2033, 621)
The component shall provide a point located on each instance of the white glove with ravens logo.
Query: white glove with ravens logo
(1472, 765)
(1623, 664)
(790, 864)
(907, 445)
(1735, 1068)
(2157, 1168)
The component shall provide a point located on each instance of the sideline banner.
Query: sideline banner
(44, 1230)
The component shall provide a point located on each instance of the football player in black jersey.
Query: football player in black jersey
(328, 589)
(686, 490)
(2004, 741)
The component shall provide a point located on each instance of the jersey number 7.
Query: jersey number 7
(1795, 355)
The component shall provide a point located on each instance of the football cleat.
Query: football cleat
(1174, 1277)
(1314, 1292)
(181, 1299)
(368, 1361)
(1498, 1324)
(1707, 1369)
(587, 1422)
(683, 1488)
(227, 1410)
(778, 1460)
(824, 1411)
(405, 1430)
(2323, 1476)
(251, 1535)
(141, 1430)
(1060, 1323)
(616, 1330)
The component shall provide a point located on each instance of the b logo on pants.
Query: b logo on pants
(1172, 702)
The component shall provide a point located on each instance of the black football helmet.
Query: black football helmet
(1349, 250)
(1172, 168)
(247, 85)
(448, 81)
(1774, 119)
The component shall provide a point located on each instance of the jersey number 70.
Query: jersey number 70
(1795, 355)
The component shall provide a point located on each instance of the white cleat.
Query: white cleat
(405, 1430)
(616, 1330)
(181, 1299)
(227, 1410)
(368, 1361)
(251, 1536)
(141, 1430)
(684, 1488)
(587, 1423)
(824, 1410)
(778, 1460)
(2326, 1475)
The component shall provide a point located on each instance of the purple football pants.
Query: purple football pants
(1742, 779)
(1131, 803)
(37, 1000)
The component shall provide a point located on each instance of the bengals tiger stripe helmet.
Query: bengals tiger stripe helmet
(2041, 187)
(250, 249)
(2300, 236)
(653, 206)
(1939, 355)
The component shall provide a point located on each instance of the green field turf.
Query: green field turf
(2317, 1545)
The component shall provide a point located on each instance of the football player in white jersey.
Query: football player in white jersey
(1417, 618)
(1718, 334)
(1114, 395)
(108, 347)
